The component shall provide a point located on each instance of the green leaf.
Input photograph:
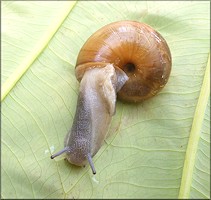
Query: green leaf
(157, 149)
(199, 133)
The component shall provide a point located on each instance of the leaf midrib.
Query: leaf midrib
(37, 50)
(192, 147)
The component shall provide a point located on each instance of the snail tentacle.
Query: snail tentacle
(66, 149)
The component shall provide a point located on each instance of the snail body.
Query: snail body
(126, 58)
(96, 95)
(95, 108)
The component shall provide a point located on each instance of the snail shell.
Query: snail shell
(137, 49)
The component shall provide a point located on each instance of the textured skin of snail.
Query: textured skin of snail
(137, 49)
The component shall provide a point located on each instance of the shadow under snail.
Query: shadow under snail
(127, 59)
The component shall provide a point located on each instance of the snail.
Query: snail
(127, 60)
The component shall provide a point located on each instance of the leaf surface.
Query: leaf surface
(146, 153)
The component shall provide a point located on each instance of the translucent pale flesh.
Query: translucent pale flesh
(95, 108)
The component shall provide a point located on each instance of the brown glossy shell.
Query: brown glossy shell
(134, 47)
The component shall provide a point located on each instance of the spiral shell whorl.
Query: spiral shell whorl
(136, 48)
